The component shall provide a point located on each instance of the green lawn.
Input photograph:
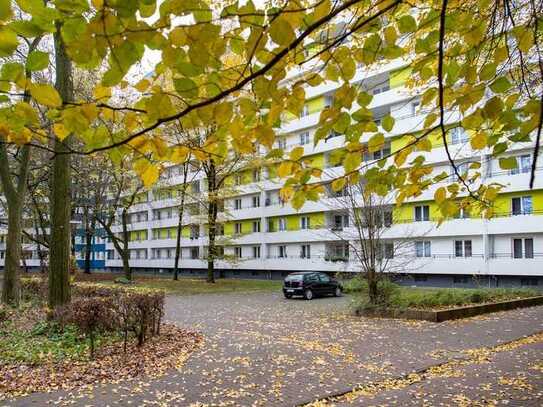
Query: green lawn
(189, 286)
(437, 298)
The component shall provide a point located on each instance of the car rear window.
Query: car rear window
(295, 277)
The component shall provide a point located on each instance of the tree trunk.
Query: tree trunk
(10, 287)
(180, 224)
(372, 287)
(211, 220)
(60, 196)
(126, 265)
(125, 253)
(88, 250)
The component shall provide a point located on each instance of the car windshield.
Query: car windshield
(295, 277)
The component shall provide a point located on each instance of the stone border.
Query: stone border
(452, 313)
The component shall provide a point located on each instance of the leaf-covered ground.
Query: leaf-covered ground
(263, 350)
(38, 357)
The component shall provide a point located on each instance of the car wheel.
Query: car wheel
(288, 296)
(338, 292)
(308, 294)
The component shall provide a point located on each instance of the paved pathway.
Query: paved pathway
(264, 350)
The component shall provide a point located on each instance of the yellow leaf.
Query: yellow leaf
(338, 184)
(296, 153)
(61, 131)
(45, 95)
(101, 92)
(281, 32)
(478, 142)
(142, 85)
(440, 195)
(284, 169)
(149, 175)
(376, 142)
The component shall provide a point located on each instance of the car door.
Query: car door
(313, 282)
(326, 285)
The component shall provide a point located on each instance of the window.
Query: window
(423, 248)
(282, 143)
(422, 213)
(237, 179)
(380, 89)
(460, 280)
(524, 164)
(459, 135)
(256, 201)
(256, 175)
(238, 228)
(305, 111)
(282, 224)
(194, 253)
(523, 248)
(256, 252)
(237, 252)
(387, 218)
(305, 222)
(283, 251)
(256, 226)
(305, 252)
(324, 278)
(340, 222)
(304, 138)
(237, 203)
(463, 213)
(462, 248)
(388, 250)
(110, 254)
(521, 205)
(194, 231)
(328, 101)
(377, 155)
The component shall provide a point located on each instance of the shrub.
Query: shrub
(354, 285)
(386, 292)
(94, 290)
(92, 315)
(140, 312)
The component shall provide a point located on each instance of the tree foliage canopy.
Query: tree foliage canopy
(249, 66)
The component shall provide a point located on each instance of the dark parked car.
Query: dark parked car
(310, 284)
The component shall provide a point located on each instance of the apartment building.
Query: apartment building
(266, 238)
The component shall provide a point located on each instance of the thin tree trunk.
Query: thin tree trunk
(211, 221)
(88, 250)
(125, 253)
(60, 197)
(181, 212)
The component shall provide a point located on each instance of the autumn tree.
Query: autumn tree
(362, 221)
(122, 194)
(15, 159)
